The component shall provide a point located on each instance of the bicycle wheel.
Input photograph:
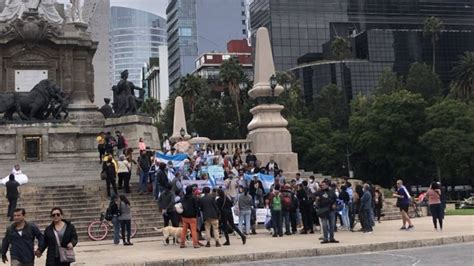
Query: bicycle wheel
(97, 230)
(134, 229)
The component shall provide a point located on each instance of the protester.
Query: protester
(121, 143)
(364, 211)
(305, 205)
(189, 217)
(141, 145)
(276, 211)
(123, 174)
(125, 220)
(344, 197)
(110, 143)
(272, 167)
(251, 158)
(59, 234)
(434, 202)
(378, 204)
(101, 145)
(110, 169)
(231, 186)
(403, 202)
(244, 204)
(210, 213)
(166, 202)
(143, 170)
(225, 204)
(20, 238)
(12, 195)
(114, 209)
(287, 205)
(326, 200)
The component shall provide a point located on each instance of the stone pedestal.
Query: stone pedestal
(134, 127)
(269, 137)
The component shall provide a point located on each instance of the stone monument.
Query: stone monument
(267, 130)
(179, 121)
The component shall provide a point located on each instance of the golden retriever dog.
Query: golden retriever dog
(174, 232)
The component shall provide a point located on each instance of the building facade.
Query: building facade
(156, 77)
(195, 27)
(135, 37)
(382, 33)
(97, 14)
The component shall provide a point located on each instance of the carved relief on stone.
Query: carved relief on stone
(31, 28)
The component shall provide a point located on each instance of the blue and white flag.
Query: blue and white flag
(216, 174)
(177, 159)
(267, 180)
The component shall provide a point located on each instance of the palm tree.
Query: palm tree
(190, 88)
(151, 107)
(433, 26)
(231, 73)
(464, 76)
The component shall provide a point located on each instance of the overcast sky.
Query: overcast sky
(154, 6)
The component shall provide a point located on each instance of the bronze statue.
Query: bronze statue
(106, 109)
(125, 101)
(45, 98)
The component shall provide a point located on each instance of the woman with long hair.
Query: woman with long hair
(59, 234)
(244, 203)
(125, 220)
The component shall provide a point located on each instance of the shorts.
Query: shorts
(404, 207)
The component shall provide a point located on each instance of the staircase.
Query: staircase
(75, 186)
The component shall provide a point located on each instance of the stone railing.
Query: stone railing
(229, 146)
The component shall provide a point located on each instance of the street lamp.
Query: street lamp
(182, 132)
(273, 84)
(287, 86)
(243, 85)
(194, 134)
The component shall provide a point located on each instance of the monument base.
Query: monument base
(135, 127)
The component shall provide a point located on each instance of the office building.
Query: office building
(199, 26)
(97, 14)
(135, 37)
(156, 77)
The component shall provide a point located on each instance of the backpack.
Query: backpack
(287, 201)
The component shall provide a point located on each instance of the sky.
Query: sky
(157, 7)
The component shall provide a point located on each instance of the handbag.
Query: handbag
(323, 212)
(103, 175)
(65, 255)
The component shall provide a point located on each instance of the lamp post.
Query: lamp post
(273, 84)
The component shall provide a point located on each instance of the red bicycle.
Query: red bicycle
(99, 229)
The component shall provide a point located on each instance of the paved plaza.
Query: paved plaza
(387, 236)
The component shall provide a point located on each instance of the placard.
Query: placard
(25, 80)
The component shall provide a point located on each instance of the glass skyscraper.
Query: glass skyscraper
(135, 37)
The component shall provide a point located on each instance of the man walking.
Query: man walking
(403, 202)
(326, 200)
(210, 214)
(20, 237)
(12, 195)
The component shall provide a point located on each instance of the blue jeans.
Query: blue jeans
(116, 223)
(143, 180)
(286, 219)
(245, 215)
(345, 217)
(328, 223)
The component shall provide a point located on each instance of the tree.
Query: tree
(190, 88)
(341, 50)
(432, 27)
(385, 138)
(422, 80)
(388, 83)
(291, 97)
(231, 73)
(151, 107)
(330, 103)
(464, 76)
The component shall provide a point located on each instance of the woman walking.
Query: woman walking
(59, 234)
(245, 209)
(225, 204)
(125, 219)
(434, 201)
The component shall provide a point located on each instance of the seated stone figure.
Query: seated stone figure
(106, 109)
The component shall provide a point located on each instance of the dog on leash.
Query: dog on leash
(174, 232)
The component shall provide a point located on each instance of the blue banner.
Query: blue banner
(267, 180)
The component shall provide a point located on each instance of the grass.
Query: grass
(460, 212)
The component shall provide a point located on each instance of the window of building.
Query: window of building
(244, 31)
(185, 31)
(209, 57)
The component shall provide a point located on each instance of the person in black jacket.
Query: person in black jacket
(12, 195)
(210, 214)
(114, 208)
(189, 217)
(166, 204)
(326, 200)
(306, 206)
(225, 205)
(109, 168)
(59, 229)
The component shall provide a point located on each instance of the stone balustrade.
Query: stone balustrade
(229, 146)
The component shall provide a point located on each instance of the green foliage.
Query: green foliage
(463, 83)
(388, 83)
(231, 74)
(423, 81)
(151, 107)
(340, 48)
(291, 98)
(330, 104)
(432, 27)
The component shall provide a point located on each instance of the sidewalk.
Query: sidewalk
(386, 236)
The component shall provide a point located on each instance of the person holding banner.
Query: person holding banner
(225, 204)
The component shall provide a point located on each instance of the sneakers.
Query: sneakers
(226, 244)
(333, 241)
(208, 245)
(325, 242)
(218, 244)
(244, 240)
(403, 228)
(410, 227)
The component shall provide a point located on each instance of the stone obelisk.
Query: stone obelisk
(179, 120)
(267, 130)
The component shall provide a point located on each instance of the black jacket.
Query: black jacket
(21, 246)
(253, 190)
(326, 198)
(50, 243)
(12, 189)
(225, 207)
(109, 170)
(190, 206)
(166, 201)
(209, 207)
